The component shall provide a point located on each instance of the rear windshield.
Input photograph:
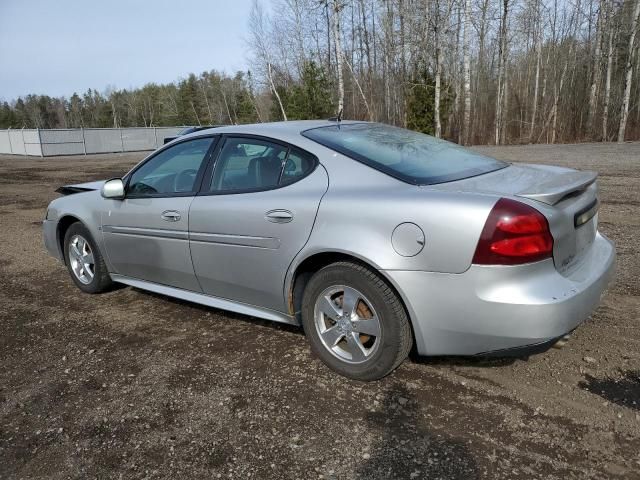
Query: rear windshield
(409, 156)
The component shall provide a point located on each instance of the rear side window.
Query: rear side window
(245, 165)
(409, 156)
(297, 165)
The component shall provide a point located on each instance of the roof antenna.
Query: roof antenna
(337, 118)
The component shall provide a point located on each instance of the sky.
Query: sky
(59, 47)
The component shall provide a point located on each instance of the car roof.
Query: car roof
(283, 130)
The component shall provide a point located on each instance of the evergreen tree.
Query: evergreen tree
(420, 104)
(310, 98)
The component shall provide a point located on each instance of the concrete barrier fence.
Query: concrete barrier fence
(82, 141)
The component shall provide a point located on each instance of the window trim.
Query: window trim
(199, 176)
(215, 157)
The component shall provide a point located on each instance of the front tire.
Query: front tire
(84, 260)
(355, 322)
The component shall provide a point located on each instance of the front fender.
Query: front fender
(85, 207)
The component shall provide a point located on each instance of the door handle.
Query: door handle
(171, 215)
(279, 216)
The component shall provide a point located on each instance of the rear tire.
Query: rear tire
(365, 338)
(84, 260)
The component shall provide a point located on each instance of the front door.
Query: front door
(254, 215)
(147, 233)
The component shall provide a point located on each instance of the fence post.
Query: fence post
(10, 144)
(155, 135)
(40, 143)
(121, 141)
(24, 145)
(84, 143)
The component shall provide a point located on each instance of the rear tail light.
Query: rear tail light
(514, 233)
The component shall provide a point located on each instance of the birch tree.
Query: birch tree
(466, 67)
(502, 60)
(503, 71)
(624, 109)
(336, 7)
(259, 42)
(538, 52)
(595, 74)
(607, 84)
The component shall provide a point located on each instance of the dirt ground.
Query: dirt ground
(130, 384)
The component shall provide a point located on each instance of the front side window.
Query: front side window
(172, 171)
(409, 156)
(254, 165)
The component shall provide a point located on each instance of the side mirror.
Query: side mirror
(113, 188)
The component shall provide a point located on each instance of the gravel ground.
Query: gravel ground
(134, 385)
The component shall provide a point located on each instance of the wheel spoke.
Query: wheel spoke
(332, 336)
(329, 308)
(75, 249)
(88, 271)
(369, 326)
(355, 347)
(349, 300)
(81, 259)
(88, 258)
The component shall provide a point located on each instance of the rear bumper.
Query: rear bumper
(492, 308)
(50, 237)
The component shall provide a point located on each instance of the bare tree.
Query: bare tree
(607, 84)
(624, 109)
(466, 67)
(538, 48)
(259, 43)
(336, 7)
(489, 72)
(438, 24)
(595, 74)
(502, 60)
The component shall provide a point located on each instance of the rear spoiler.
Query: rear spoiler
(559, 187)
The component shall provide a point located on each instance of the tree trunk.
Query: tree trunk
(466, 129)
(454, 113)
(362, 95)
(275, 91)
(436, 100)
(502, 55)
(595, 78)
(437, 126)
(556, 99)
(206, 99)
(226, 104)
(338, 44)
(479, 98)
(607, 84)
(624, 109)
(534, 101)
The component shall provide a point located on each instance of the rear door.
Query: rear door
(146, 233)
(254, 214)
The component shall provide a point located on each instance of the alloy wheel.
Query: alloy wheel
(81, 259)
(347, 324)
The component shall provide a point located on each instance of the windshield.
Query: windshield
(409, 156)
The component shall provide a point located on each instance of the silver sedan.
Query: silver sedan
(377, 240)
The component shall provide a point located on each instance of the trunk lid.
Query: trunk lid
(566, 197)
